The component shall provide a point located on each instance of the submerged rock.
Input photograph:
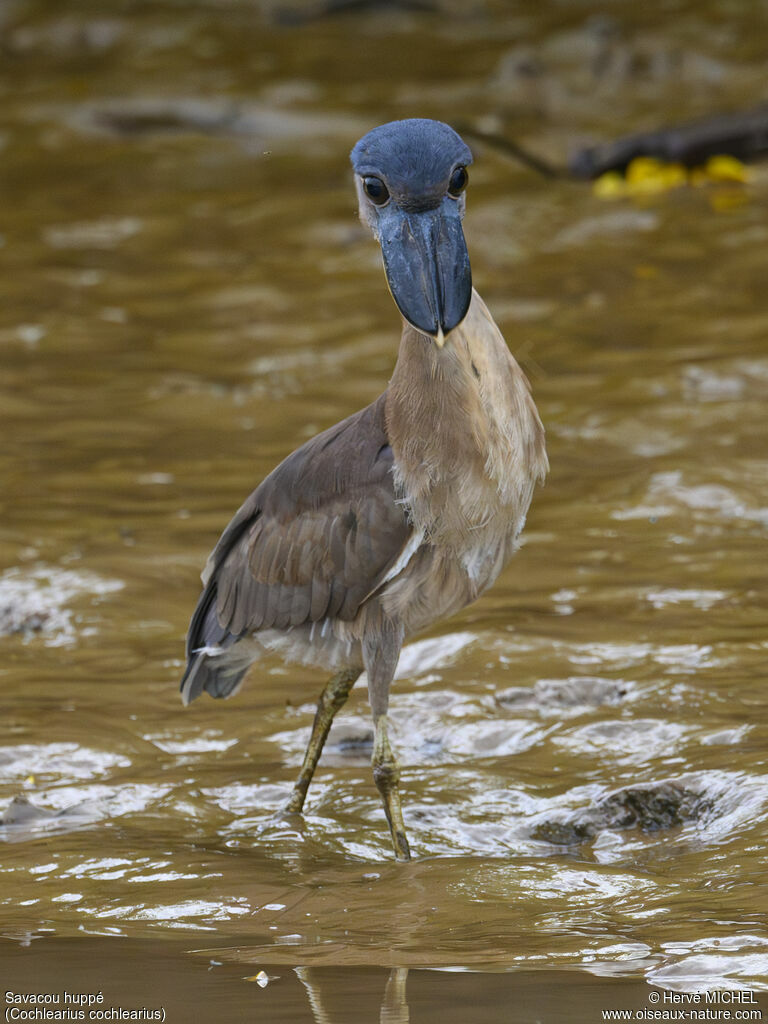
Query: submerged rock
(573, 693)
(23, 820)
(35, 601)
(21, 811)
(649, 808)
(350, 736)
(15, 619)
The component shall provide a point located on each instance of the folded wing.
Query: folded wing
(312, 542)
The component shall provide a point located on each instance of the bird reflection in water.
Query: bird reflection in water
(394, 1008)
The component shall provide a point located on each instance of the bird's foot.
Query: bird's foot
(293, 807)
(386, 775)
(294, 804)
(400, 842)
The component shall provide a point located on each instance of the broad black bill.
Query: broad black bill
(427, 266)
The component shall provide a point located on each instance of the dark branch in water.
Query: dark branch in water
(742, 135)
(512, 149)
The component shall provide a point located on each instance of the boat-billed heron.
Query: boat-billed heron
(404, 512)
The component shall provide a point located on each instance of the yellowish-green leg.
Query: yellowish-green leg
(332, 698)
(386, 774)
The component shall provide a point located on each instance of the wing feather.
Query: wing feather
(320, 597)
(313, 541)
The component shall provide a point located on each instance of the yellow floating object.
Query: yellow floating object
(609, 185)
(643, 168)
(726, 168)
(645, 175)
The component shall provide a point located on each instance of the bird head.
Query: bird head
(410, 177)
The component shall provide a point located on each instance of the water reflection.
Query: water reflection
(394, 1005)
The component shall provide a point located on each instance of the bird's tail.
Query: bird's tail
(214, 672)
(212, 664)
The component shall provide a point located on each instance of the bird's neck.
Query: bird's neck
(467, 440)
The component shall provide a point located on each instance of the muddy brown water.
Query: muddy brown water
(186, 296)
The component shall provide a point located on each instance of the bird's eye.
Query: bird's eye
(458, 182)
(376, 190)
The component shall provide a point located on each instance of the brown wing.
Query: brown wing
(312, 541)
